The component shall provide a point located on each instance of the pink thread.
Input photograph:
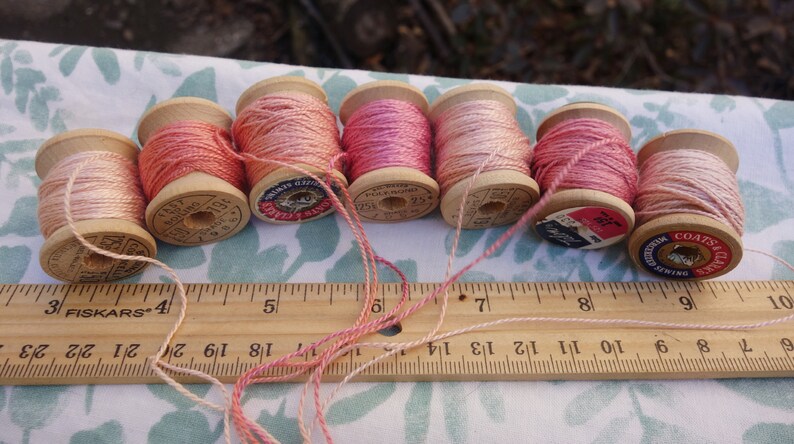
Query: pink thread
(475, 133)
(290, 127)
(185, 147)
(612, 169)
(108, 188)
(387, 133)
(689, 181)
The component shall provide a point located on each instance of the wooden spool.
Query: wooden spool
(680, 245)
(390, 194)
(582, 218)
(197, 208)
(62, 256)
(285, 195)
(497, 197)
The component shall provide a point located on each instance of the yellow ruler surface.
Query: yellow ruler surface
(90, 334)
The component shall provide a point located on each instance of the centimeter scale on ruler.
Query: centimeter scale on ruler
(78, 334)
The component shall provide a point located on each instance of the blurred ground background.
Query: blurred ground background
(718, 46)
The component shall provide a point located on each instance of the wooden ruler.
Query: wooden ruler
(80, 334)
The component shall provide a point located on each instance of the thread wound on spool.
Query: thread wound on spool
(388, 139)
(592, 208)
(689, 209)
(475, 128)
(194, 183)
(106, 203)
(293, 127)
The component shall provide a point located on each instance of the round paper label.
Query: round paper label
(685, 254)
(583, 227)
(295, 199)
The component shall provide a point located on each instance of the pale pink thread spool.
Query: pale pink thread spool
(592, 207)
(476, 129)
(200, 205)
(388, 139)
(287, 119)
(107, 206)
(689, 211)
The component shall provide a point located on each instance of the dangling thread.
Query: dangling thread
(387, 133)
(107, 188)
(295, 128)
(611, 169)
(185, 147)
(692, 182)
(467, 136)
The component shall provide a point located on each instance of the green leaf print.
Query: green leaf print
(493, 235)
(477, 276)
(537, 94)
(108, 64)
(389, 76)
(69, 60)
(2, 398)
(27, 79)
(785, 250)
(199, 84)
(613, 431)
(182, 258)
(6, 129)
(780, 115)
(656, 431)
(32, 408)
(19, 146)
(337, 86)
(456, 417)
(167, 393)
(57, 50)
(39, 109)
(238, 259)
(589, 403)
(348, 268)
(417, 413)
(89, 398)
(763, 207)
(267, 391)
(355, 407)
(526, 123)
(769, 433)
(527, 245)
(283, 428)
(165, 65)
(23, 220)
(318, 240)
(110, 432)
(7, 74)
(432, 93)
(22, 56)
(775, 393)
(13, 263)
(722, 104)
(492, 401)
(184, 426)
(466, 242)
(58, 121)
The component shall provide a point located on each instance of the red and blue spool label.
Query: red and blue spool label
(685, 254)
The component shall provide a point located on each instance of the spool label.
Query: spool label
(685, 254)
(494, 206)
(583, 227)
(396, 201)
(196, 219)
(295, 199)
(68, 263)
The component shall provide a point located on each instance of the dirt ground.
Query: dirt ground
(719, 46)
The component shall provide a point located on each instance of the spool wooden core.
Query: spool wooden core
(285, 195)
(197, 208)
(497, 197)
(681, 245)
(389, 194)
(62, 256)
(582, 218)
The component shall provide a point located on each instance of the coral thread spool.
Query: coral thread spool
(391, 193)
(284, 195)
(197, 208)
(498, 196)
(580, 217)
(62, 256)
(682, 245)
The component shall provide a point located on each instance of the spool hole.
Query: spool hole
(301, 197)
(97, 262)
(199, 220)
(491, 208)
(392, 203)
